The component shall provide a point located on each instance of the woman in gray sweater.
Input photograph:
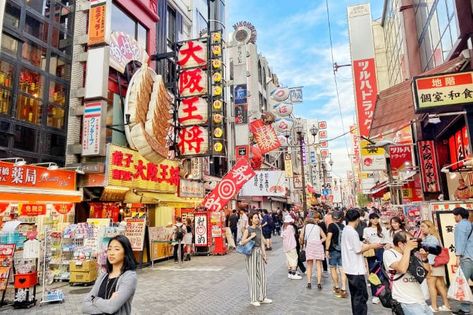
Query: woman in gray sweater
(114, 290)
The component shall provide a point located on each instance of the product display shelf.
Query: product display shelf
(51, 250)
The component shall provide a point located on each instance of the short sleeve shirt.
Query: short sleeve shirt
(332, 228)
(257, 239)
(352, 258)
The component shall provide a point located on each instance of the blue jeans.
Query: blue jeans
(416, 309)
(467, 268)
(335, 258)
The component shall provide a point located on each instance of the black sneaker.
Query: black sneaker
(309, 286)
(460, 312)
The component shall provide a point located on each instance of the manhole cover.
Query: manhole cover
(80, 291)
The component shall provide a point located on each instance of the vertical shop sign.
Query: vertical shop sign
(295, 94)
(265, 136)
(240, 94)
(363, 65)
(98, 22)
(400, 156)
(201, 225)
(93, 137)
(428, 164)
(288, 165)
(135, 231)
(229, 186)
(466, 142)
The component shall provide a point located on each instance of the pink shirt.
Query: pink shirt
(288, 238)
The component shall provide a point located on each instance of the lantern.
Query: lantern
(193, 111)
(192, 82)
(280, 94)
(283, 109)
(192, 54)
(193, 140)
(283, 124)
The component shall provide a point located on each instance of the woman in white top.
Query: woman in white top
(312, 237)
(395, 225)
(375, 233)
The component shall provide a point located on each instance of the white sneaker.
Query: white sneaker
(296, 277)
(375, 300)
(289, 276)
(266, 301)
(443, 308)
(255, 303)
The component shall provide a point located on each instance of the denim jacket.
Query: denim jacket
(463, 243)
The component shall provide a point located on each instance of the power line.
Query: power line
(335, 79)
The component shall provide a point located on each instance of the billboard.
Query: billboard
(266, 183)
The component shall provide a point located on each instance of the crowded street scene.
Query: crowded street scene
(236, 157)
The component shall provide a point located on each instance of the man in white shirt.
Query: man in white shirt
(406, 290)
(354, 264)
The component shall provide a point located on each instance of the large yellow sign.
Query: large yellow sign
(127, 168)
(368, 149)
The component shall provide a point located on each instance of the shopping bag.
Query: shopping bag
(246, 249)
(459, 288)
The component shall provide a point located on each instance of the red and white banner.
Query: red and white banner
(265, 136)
(428, 165)
(366, 91)
(399, 155)
(229, 186)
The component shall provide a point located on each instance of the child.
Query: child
(289, 247)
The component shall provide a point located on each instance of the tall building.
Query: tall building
(35, 72)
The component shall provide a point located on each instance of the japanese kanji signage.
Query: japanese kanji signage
(372, 158)
(127, 168)
(123, 49)
(266, 183)
(93, 135)
(265, 136)
(295, 94)
(192, 54)
(193, 111)
(443, 91)
(99, 22)
(366, 91)
(191, 189)
(135, 231)
(288, 165)
(229, 186)
(36, 177)
(201, 228)
(428, 165)
(356, 145)
(459, 145)
(193, 141)
(31, 210)
(399, 155)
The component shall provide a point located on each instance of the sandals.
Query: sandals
(309, 285)
(319, 286)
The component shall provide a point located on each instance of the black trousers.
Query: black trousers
(176, 247)
(234, 233)
(358, 294)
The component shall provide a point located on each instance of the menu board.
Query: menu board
(135, 231)
(158, 234)
(6, 263)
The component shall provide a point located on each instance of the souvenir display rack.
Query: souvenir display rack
(50, 242)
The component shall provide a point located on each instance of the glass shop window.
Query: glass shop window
(6, 78)
(34, 54)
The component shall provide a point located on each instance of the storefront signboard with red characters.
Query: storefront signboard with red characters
(127, 168)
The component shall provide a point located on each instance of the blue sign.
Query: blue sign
(240, 94)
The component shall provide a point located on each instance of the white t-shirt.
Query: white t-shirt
(312, 232)
(370, 234)
(406, 289)
(352, 259)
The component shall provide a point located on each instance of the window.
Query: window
(259, 72)
(40, 6)
(6, 76)
(12, 16)
(171, 26)
(29, 109)
(56, 145)
(36, 28)
(57, 93)
(34, 54)
(25, 138)
(63, 16)
(122, 22)
(9, 45)
(4, 133)
(142, 36)
(59, 67)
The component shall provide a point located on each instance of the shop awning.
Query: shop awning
(379, 189)
(44, 195)
(161, 199)
(279, 199)
(395, 105)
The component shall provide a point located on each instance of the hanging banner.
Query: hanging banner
(288, 165)
(428, 165)
(63, 208)
(265, 136)
(93, 133)
(31, 210)
(99, 22)
(229, 186)
(466, 142)
(295, 94)
(191, 189)
(400, 156)
(266, 183)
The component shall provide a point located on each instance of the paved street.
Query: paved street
(214, 285)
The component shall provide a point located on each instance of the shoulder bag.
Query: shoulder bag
(302, 256)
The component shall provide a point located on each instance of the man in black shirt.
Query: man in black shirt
(232, 223)
(334, 254)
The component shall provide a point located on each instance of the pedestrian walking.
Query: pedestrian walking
(333, 252)
(179, 230)
(463, 249)
(187, 240)
(312, 238)
(267, 226)
(353, 263)
(255, 263)
(436, 278)
(233, 224)
(114, 289)
(405, 288)
(289, 247)
(374, 233)
(242, 224)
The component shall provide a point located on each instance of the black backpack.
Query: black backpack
(179, 232)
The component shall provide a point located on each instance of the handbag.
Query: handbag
(443, 258)
(416, 269)
(369, 253)
(246, 249)
(302, 255)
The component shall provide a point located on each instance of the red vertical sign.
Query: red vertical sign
(366, 91)
(466, 142)
(398, 156)
(428, 165)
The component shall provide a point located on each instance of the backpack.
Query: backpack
(179, 232)
(338, 247)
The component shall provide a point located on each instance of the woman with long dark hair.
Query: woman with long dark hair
(395, 225)
(255, 263)
(375, 233)
(114, 289)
